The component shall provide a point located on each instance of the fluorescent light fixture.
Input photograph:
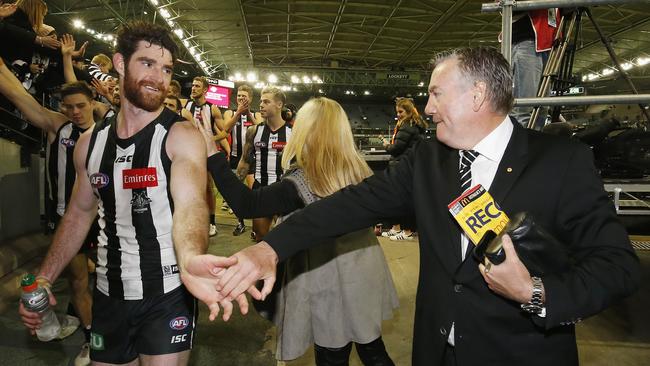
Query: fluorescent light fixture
(179, 32)
(203, 64)
(165, 13)
(272, 78)
(642, 61)
(607, 71)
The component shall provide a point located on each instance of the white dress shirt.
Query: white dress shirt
(491, 149)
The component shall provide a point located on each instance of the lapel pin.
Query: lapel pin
(509, 170)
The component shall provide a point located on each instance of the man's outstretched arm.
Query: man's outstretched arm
(190, 222)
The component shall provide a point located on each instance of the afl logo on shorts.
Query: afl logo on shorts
(179, 323)
(99, 180)
(67, 142)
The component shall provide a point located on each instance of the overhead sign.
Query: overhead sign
(223, 83)
(398, 75)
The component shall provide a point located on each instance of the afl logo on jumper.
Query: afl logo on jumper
(260, 144)
(99, 180)
(139, 178)
(179, 323)
(67, 142)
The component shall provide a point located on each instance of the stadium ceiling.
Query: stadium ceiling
(354, 42)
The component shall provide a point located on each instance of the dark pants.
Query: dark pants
(371, 354)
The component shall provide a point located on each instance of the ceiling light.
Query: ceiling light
(179, 32)
(294, 89)
(273, 79)
(165, 13)
(607, 71)
(251, 77)
(154, 2)
(294, 79)
(641, 61)
(238, 76)
(320, 91)
(186, 43)
(203, 64)
(421, 84)
(77, 23)
(366, 92)
(626, 66)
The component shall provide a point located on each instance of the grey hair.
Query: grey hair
(484, 64)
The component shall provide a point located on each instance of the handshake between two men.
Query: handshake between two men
(218, 281)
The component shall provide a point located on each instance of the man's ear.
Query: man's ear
(480, 95)
(118, 63)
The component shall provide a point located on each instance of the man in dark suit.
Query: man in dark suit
(467, 314)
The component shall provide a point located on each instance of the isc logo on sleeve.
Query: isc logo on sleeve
(139, 178)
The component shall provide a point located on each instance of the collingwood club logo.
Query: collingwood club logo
(140, 202)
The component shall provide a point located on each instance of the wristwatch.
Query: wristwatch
(535, 305)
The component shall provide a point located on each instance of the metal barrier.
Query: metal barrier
(584, 100)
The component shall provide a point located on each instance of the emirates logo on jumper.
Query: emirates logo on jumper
(139, 178)
(278, 145)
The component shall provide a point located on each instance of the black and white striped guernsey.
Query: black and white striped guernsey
(60, 165)
(135, 255)
(238, 133)
(268, 152)
(201, 112)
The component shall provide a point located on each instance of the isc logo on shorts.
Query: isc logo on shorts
(99, 180)
(139, 178)
(179, 338)
(179, 323)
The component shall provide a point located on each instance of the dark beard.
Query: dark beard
(133, 94)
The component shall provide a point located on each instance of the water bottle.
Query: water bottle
(36, 299)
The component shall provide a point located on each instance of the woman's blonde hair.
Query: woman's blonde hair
(322, 145)
(409, 107)
(35, 11)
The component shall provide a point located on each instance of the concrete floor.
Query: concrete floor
(619, 336)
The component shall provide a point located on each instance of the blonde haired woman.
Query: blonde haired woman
(333, 295)
(409, 130)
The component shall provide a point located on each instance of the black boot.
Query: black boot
(374, 353)
(332, 356)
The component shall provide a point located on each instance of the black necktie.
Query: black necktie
(466, 160)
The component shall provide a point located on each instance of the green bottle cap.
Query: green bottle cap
(28, 280)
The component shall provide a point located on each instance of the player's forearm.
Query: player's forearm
(190, 231)
(67, 241)
(231, 122)
(68, 69)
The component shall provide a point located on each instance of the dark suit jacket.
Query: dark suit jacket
(554, 179)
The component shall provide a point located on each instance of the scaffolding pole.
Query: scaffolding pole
(545, 4)
(584, 100)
